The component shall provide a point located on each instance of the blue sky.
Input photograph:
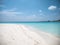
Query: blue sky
(29, 10)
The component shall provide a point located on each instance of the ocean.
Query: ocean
(49, 27)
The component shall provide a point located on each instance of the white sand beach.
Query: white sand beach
(18, 34)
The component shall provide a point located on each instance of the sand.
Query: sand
(18, 34)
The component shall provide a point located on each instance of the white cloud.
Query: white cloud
(40, 10)
(11, 12)
(52, 7)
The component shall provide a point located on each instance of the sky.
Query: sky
(29, 10)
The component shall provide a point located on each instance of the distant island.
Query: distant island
(54, 21)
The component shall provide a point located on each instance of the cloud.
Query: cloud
(52, 7)
(13, 15)
(40, 10)
(11, 12)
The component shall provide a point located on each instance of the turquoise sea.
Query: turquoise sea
(50, 27)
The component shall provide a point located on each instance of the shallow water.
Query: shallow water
(50, 27)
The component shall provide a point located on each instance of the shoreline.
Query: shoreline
(16, 33)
